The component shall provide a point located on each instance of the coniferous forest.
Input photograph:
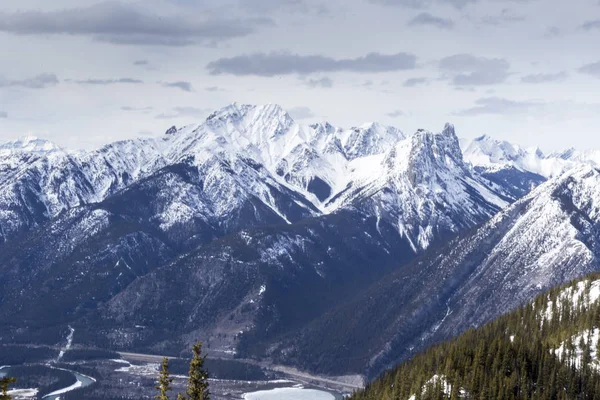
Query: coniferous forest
(544, 350)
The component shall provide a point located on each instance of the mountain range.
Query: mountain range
(335, 250)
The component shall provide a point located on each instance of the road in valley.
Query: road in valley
(288, 372)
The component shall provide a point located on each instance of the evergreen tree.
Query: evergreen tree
(198, 377)
(4, 383)
(164, 381)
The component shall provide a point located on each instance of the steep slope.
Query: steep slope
(547, 238)
(546, 349)
(245, 291)
(105, 246)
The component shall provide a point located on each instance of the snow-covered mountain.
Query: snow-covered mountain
(38, 180)
(543, 240)
(251, 222)
(334, 209)
(250, 152)
(423, 185)
(492, 155)
(30, 144)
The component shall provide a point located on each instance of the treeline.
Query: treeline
(514, 357)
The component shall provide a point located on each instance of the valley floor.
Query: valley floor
(285, 387)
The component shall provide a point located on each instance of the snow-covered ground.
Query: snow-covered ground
(576, 357)
(74, 386)
(149, 369)
(23, 394)
(295, 393)
(444, 384)
(68, 345)
(574, 295)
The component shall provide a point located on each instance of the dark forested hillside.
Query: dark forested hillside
(547, 349)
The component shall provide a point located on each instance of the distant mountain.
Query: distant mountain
(30, 144)
(548, 348)
(491, 155)
(547, 238)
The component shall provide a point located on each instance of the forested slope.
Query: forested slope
(547, 349)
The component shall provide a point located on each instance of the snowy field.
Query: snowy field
(289, 394)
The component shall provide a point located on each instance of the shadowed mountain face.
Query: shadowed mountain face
(249, 231)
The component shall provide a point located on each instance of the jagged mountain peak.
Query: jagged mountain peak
(369, 139)
(267, 121)
(422, 186)
(449, 129)
(425, 151)
(171, 131)
(324, 127)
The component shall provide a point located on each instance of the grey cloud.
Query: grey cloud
(418, 4)
(428, 19)
(121, 23)
(458, 3)
(214, 89)
(545, 78)
(504, 17)
(469, 70)
(41, 81)
(179, 112)
(3, 114)
(301, 113)
(403, 3)
(185, 86)
(590, 25)
(415, 82)
(591, 69)
(141, 62)
(290, 6)
(396, 114)
(498, 105)
(137, 109)
(558, 110)
(552, 32)
(320, 83)
(109, 81)
(145, 133)
(281, 63)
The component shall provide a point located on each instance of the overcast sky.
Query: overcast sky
(83, 73)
